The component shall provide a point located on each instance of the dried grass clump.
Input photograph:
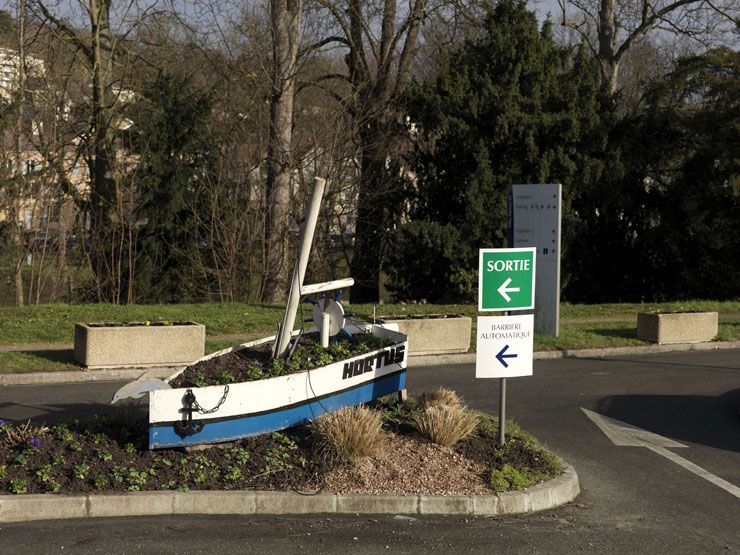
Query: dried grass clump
(350, 433)
(24, 433)
(440, 397)
(445, 424)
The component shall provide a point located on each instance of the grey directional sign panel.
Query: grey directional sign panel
(534, 213)
(504, 346)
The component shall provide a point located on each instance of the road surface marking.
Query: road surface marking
(626, 435)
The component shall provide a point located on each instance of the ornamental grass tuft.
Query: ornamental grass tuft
(445, 424)
(440, 397)
(349, 434)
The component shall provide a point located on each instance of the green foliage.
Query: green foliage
(177, 153)
(225, 378)
(233, 474)
(510, 107)
(509, 478)
(75, 446)
(239, 455)
(44, 473)
(81, 471)
(18, 486)
(136, 479)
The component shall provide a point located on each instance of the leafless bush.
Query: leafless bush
(445, 424)
(349, 433)
(18, 435)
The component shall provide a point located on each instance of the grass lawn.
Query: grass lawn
(582, 326)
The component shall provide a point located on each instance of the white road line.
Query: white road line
(626, 435)
(698, 470)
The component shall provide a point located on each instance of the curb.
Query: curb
(79, 376)
(123, 374)
(548, 495)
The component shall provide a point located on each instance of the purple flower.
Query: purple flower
(35, 443)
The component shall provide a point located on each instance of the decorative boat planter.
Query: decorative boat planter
(218, 413)
(138, 344)
(677, 327)
(434, 334)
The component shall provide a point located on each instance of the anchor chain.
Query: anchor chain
(187, 426)
(200, 409)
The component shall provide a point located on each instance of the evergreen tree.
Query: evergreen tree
(511, 107)
(176, 154)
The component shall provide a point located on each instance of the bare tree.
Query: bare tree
(285, 22)
(105, 59)
(611, 28)
(379, 39)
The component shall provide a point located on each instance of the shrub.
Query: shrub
(440, 397)
(25, 433)
(349, 433)
(445, 424)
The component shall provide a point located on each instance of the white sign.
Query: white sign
(504, 346)
(534, 213)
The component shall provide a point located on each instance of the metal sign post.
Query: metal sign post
(502, 412)
(505, 343)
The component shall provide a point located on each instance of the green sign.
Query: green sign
(506, 279)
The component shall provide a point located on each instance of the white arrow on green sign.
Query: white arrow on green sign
(506, 279)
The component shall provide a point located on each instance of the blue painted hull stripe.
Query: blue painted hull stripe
(236, 427)
(167, 423)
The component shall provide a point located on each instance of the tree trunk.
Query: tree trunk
(373, 216)
(285, 17)
(20, 182)
(608, 58)
(103, 191)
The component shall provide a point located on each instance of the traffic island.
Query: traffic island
(103, 468)
(677, 327)
(545, 496)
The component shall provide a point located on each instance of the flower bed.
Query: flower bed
(111, 455)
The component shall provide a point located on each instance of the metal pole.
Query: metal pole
(502, 407)
(299, 272)
(502, 413)
(325, 323)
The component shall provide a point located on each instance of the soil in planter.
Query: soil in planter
(107, 454)
(255, 363)
(137, 324)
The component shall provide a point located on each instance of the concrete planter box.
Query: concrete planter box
(677, 327)
(432, 334)
(106, 346)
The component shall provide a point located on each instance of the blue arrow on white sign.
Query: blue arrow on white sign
(501, 357)
(504, 346)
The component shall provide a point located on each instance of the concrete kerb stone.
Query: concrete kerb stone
(281, 502)
(18, 508)
(215, 502)
(147, 503)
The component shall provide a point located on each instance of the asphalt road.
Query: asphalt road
(633, 500)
